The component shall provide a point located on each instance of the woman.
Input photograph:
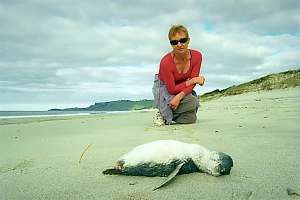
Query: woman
(178, 75)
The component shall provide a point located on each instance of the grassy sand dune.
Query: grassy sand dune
(282, 80)
(40, 158)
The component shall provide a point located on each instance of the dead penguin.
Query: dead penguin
(167, 158)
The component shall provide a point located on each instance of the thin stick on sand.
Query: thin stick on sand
(84, 152)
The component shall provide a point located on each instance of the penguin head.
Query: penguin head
(226, 163)
(217, 164)
(223, 163)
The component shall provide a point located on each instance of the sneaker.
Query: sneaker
(158, 119)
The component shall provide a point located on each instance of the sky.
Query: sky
(63, 53)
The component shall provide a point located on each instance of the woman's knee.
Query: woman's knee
(192, 102)
(188, 104)
(186, 118)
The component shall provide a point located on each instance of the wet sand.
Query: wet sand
(40, 156)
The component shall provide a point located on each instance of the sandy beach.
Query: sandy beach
(40, 156)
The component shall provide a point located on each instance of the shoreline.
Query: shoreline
(63, 113)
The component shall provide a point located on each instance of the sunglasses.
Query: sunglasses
(182, 41)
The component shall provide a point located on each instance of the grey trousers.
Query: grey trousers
(186, 112)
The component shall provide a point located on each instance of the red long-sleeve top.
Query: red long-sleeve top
(175, 81)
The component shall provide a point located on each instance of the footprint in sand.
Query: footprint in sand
(19, 167)
(292, 192)
(242, 195)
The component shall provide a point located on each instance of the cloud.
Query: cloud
(66, 52)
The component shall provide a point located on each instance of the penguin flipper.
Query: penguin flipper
(112, 171)
(170, 177)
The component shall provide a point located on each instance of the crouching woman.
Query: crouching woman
(178, 75)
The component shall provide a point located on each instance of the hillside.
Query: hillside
(280, 80)
(120, 105)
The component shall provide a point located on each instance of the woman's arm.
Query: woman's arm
(195, 78)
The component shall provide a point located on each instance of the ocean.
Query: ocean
(25, 114)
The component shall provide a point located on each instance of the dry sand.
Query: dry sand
(40, 156)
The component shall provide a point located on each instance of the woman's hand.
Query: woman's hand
(199, 80)
(174, 103)
(196, 80)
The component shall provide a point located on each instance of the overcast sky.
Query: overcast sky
(58, 54)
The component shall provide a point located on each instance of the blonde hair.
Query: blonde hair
(177, 29)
